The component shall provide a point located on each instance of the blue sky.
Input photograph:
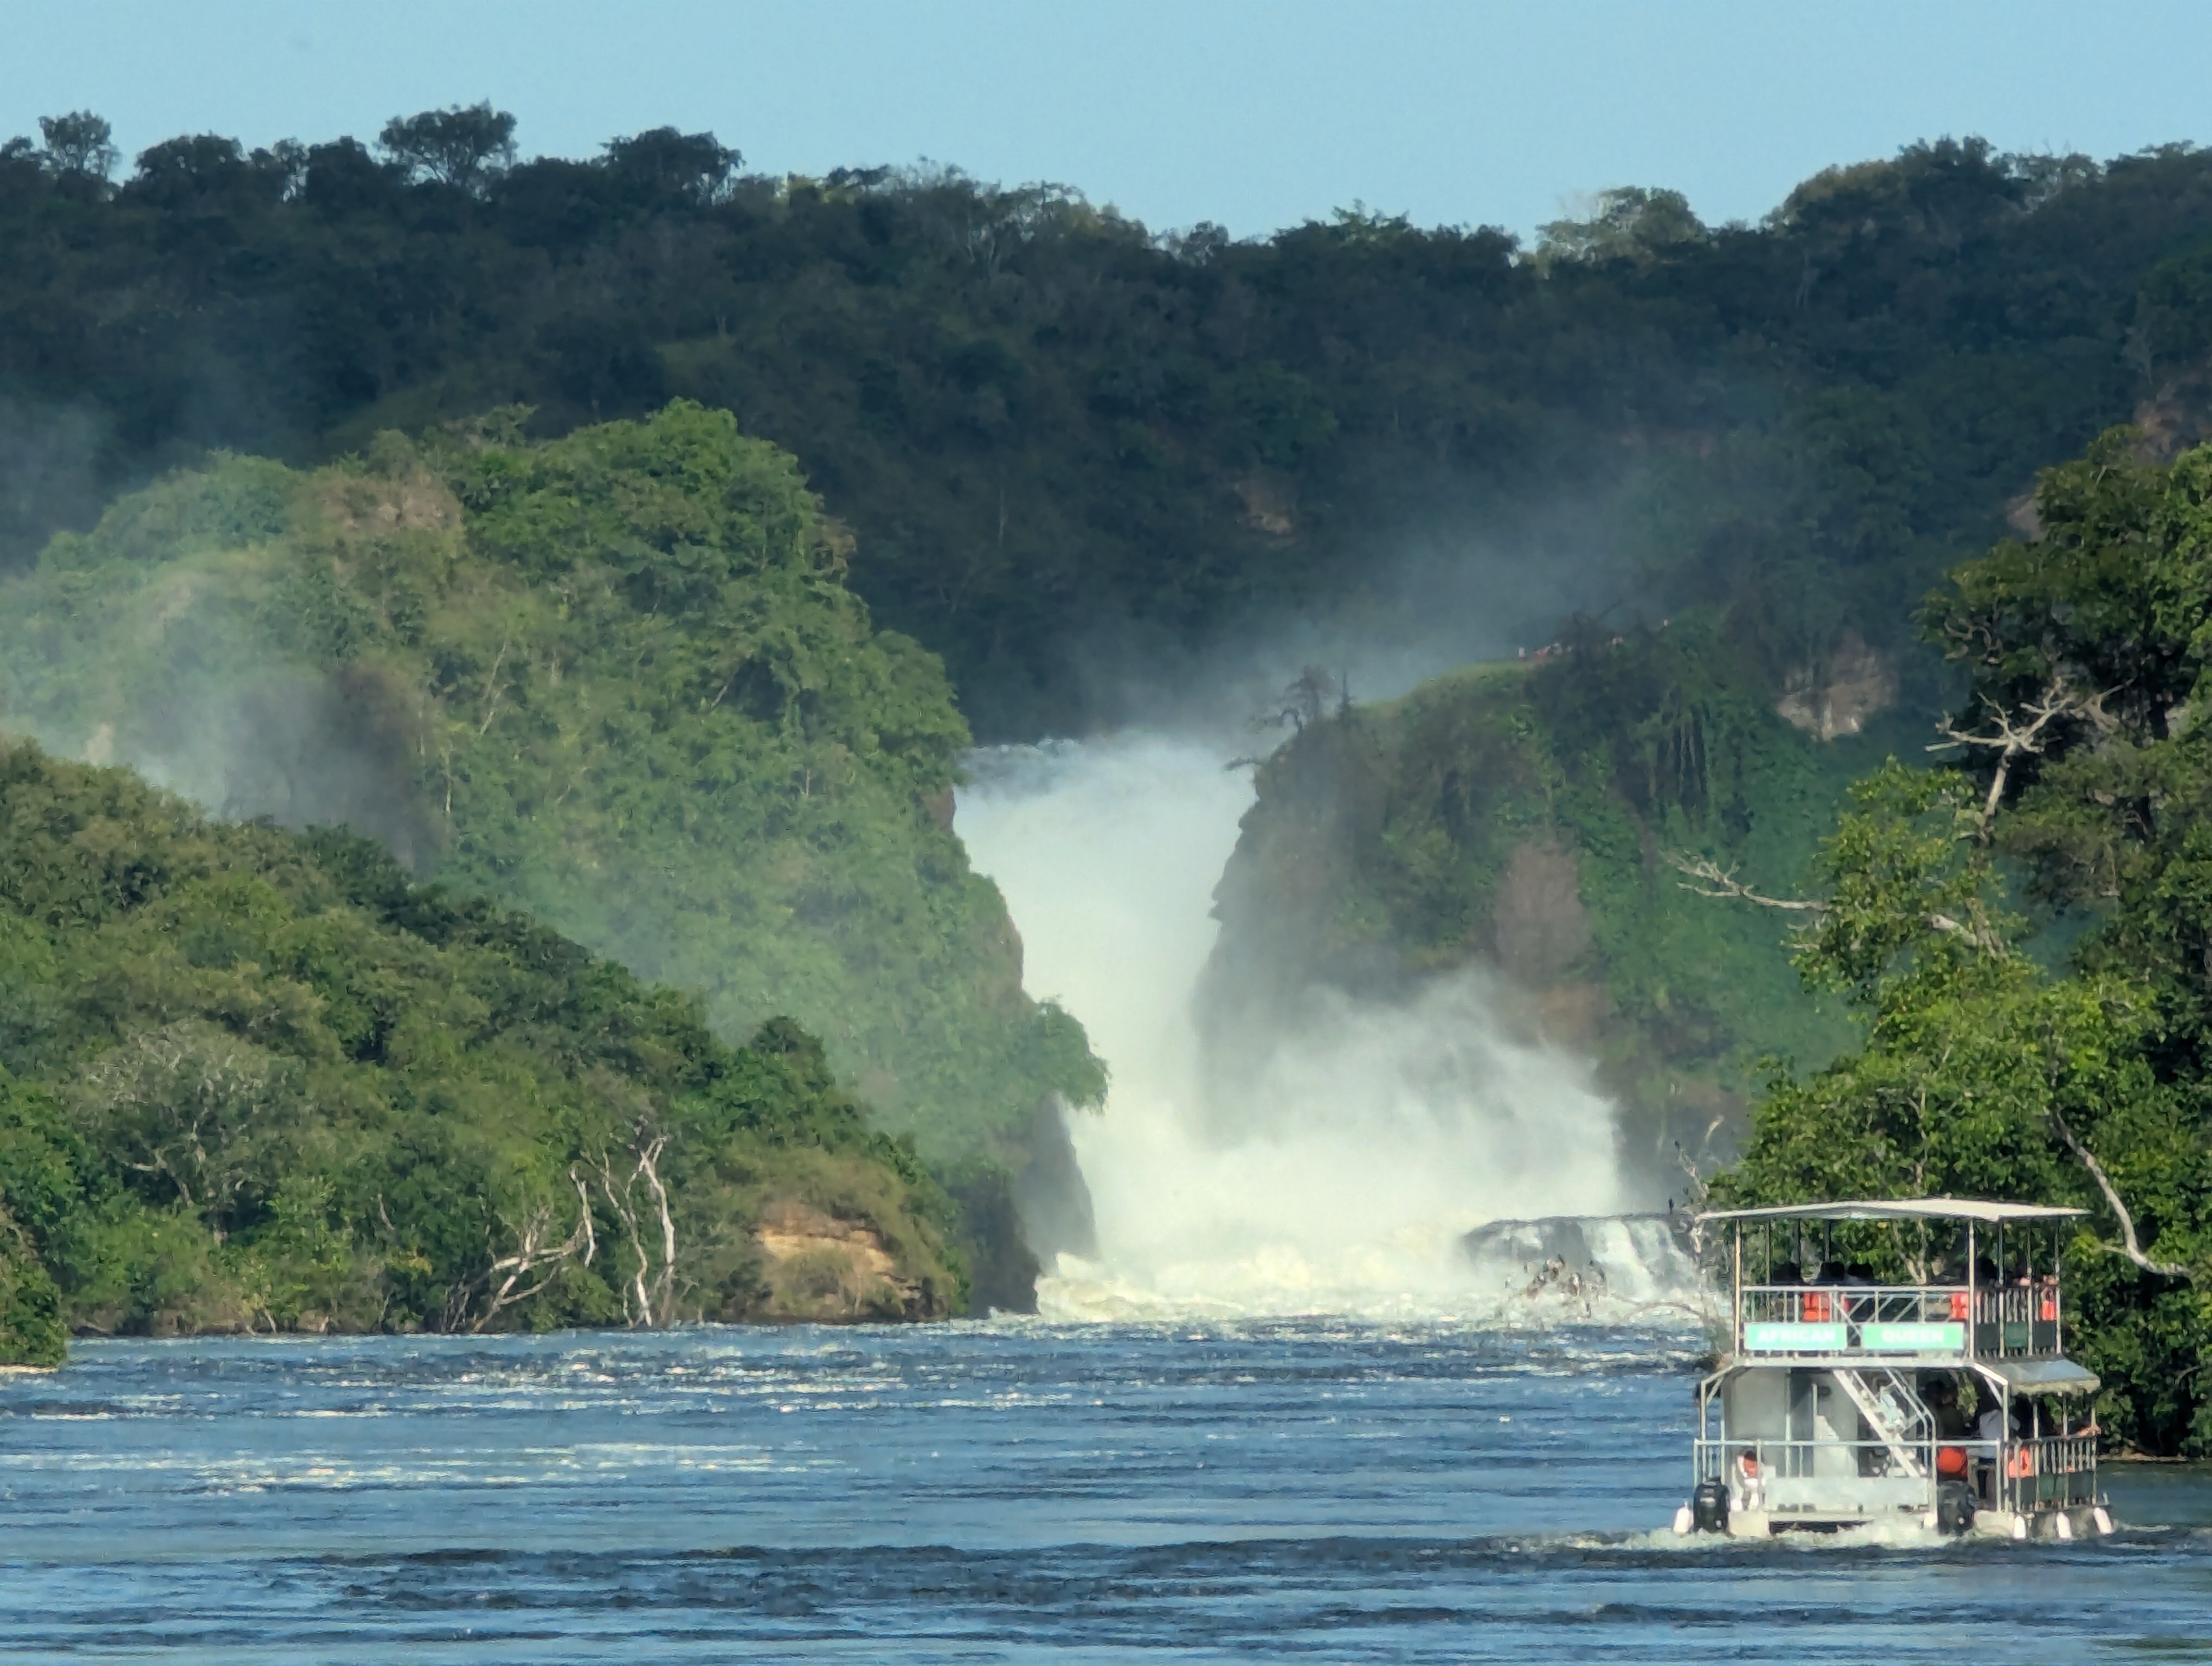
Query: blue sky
(1254, 115)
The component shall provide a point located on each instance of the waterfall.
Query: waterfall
(1382, 1133)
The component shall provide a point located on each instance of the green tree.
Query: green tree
(1630, 222)
(79, 143)
(256, 1079)
(617, 680)
(463, 147)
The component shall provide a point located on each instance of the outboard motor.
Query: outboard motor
(1709, 1507)
(1955, 1507)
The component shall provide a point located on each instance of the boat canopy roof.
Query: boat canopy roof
(1909, 1208)
(2033, 1377)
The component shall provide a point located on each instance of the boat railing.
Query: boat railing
(2051, 1472)
(2048, 1473)
(1740, 1460)
(1986, 1321)
(2017, 1320)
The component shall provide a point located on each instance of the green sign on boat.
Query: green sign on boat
(1793, 1339)
(1914, 1338)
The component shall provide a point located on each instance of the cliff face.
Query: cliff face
(1522, 818)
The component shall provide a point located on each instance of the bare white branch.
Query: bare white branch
(649, 1297)
(2026, 734)
(1976, 934)
(535, 1251)
(1709, 879)
(2131, 1248)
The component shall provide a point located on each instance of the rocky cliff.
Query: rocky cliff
(1528, 817)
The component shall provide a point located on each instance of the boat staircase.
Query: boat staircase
(1893, 1410)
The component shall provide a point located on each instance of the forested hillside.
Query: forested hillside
(636, 540)
(1520, 817)
(252, 1080)
(1062, 440)
(614, 680)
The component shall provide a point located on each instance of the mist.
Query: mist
(1369, 1137)
(1431, 596)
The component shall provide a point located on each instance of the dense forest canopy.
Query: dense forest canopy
(615, 680)
(251, 1079)
(1068, 445)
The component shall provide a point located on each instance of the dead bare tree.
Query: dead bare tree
(1709, 879)
(536, 1250)
(649, 1299)
(2024, 736)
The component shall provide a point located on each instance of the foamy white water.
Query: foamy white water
(1382, 1134)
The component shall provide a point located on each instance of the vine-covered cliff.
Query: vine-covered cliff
(617, 681)
(1520, 817)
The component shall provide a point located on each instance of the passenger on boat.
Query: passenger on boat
(1950, 1418)
(1990, 1426)
(1750, 1487)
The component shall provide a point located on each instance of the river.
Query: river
(1011, 1490)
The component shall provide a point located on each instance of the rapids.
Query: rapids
(1005, 1492)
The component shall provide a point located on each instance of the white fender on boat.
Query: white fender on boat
(1685, 1521)
(2103, 1520)
(2065, 1524)
(2019, 1527)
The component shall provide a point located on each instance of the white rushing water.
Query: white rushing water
(1384, 1133)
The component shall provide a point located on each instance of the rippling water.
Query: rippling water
(973, 1493)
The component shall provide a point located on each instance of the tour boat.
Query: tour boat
(1857, 1333)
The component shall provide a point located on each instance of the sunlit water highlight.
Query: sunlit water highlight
(1263, 1491)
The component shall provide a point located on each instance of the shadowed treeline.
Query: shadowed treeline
(1070, 446)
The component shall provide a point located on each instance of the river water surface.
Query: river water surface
(1285, 1490)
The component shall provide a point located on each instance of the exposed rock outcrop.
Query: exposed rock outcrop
(824, 1269)
(1538, 926)
(1836, 697)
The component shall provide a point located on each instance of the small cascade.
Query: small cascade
(1588, 1268)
